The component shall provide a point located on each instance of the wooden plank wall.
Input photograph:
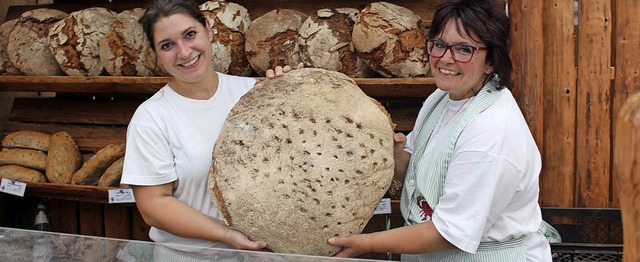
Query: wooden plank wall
(588, 72)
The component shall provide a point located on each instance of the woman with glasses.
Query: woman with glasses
(470, 165)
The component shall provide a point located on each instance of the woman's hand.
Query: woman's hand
(353, 245)
(240, 241)
(279, 70)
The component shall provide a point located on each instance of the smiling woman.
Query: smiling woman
(171, 136)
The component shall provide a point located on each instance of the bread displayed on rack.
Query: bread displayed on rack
(308, 146)
(113, 174)
(122, 49)
(63, 158)
(93, 169)
(22, 174)
(6, 67)
(325, 42)
(272, 40)
(28, 46)
(74, 40)
(391, 39)
(27, 139)
(229, 23)
(30, 158)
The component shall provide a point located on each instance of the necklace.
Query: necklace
(442, 125)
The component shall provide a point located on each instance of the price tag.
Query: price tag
(121, 195)
(13, 187)
(384, 207)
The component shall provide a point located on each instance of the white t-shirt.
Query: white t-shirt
(491, 187)
(170, 139)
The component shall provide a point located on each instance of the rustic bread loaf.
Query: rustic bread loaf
(22, 174)
(30, 158)
(111, 176)
(63, 159)
(325, 42)
(229, 23)
(302, 158)
(27, 139)
(74, 40)
(6, 67)
(391, 39)
(122, 47)
(151, 62)
(92, 169)
(28, 46)
(272, 40)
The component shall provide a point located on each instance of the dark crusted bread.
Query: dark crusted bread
(302, 158)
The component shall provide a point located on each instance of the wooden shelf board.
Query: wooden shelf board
(94, 194)
(375, 87)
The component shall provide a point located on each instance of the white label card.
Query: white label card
(384, 207)
(13, 187)
(121, 195)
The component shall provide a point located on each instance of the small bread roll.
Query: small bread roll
(31, 158)
(22, 174)
(27, 139)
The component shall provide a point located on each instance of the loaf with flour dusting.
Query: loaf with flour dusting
(302, 158)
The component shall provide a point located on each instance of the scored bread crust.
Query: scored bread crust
(302, 158)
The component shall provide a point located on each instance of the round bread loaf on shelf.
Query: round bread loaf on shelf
(229, 23)
(28, 46)
(272, 40)
(391, 39)
(151, 62)
(302, 158)
(74, 40)
(6, 67)
(63, 159)
(122, 49)
(27, 139)
(325, 42)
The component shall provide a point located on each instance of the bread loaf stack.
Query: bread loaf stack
(6, 67)
(33, 156)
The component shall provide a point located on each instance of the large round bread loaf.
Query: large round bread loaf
(302, 158)
(229, 23)
(272, 40)
(392, 40)
(122, 49)
(6, 67)
(74, 40)
(325, 42)
(28, 46)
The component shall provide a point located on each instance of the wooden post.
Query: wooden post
(557, 185)
(627, 168)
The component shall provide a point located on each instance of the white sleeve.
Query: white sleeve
(148, 157)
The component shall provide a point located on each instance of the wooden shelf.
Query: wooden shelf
(375, 87)
(93, 194)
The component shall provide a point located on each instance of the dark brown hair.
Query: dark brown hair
(488, 20)
(164, 8)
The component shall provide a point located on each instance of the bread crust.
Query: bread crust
(64, 158)
(27, 139)
(111, 176)
(94, 168)
(30, 158)
(22, 174)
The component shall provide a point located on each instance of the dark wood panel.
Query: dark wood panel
(89, 194)
(74, 110)
(91, 219)
(88, 138)
(139, 229)
(117, 221)
(64, 215)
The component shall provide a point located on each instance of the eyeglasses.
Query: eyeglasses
(461, 53)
